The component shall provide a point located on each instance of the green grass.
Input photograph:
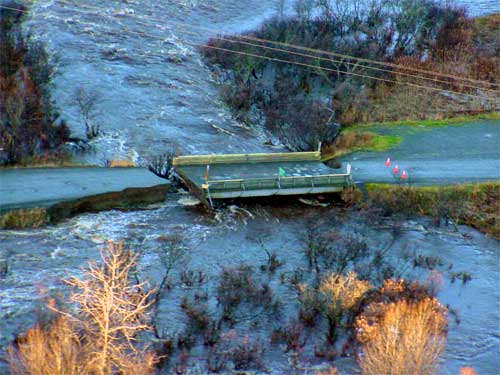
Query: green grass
(432, 123)
(361, 141)
(383, 142)
(476, 205)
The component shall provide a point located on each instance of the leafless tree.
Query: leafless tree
(112, 311)
(87, 103)
(161, 165)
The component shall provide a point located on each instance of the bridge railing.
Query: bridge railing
(289, 182)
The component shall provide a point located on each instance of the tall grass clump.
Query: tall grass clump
(24, 218)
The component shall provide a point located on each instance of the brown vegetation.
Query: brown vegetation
(24, 218)
(467, 371)
(407, 340)
(348, 142)
(30, 131)
(54, 350)
(477, 205)
(301, 105)
(100, 336)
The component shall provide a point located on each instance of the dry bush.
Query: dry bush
(111, 312)
(328, 371)
(467, 371)
(54, 351)
(341, 294)
(100, 336)
(348, 141)
(237, 285)
(408, 340)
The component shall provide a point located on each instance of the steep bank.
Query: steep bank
(349, 67)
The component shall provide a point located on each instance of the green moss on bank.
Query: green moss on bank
(476, 205)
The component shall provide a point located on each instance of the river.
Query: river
(155, 92)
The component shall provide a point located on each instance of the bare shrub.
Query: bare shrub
(86, 102)
(237, 285)
(341, 293)
(111, 313)
(333, 251)
(100, 336)
(243, 352)
(310, 304)
(408, 340)
(199, 319)
(173, 252)
(316, 244)
(273, 262)
(161, 165)
(294, 336)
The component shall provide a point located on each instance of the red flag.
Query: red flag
(388, 162)
(404, 176)
(395, 170)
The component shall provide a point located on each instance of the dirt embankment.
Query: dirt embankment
(127, 199)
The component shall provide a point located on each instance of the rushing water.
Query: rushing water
(140, 58)
(155, 90)
(61, 250)
(479, 7)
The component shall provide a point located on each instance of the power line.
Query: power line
(279, 60)
(184, 25)
(343, 56)
(360, 66)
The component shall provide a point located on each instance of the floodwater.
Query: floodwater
(156, 91)
(38, 259)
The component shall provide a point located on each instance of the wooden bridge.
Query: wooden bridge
(211, 177)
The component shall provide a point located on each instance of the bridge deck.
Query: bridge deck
(252, 175)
